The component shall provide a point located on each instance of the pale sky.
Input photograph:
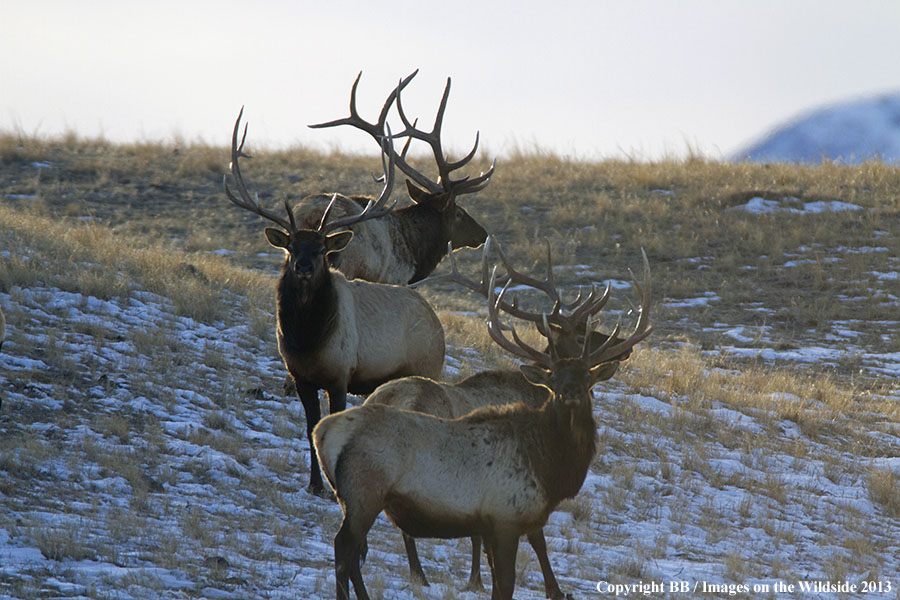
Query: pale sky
(643, 79)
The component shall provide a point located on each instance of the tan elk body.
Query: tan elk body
(497, 472)
(338, 335)
(496, 387)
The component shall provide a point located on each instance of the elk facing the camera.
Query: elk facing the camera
(407, 244)
(338, 335)
(497, 472)
(501, 386)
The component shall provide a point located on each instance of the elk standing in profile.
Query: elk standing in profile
(333, 334)
(406, 245)
(498, 472)
(565, 326)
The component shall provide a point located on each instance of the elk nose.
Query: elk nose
(303, 270)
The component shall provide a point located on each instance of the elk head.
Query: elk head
(306, 249)
(570, 378)
(437, 196)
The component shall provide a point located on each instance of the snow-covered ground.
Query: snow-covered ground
(144, 454)
(152, 457)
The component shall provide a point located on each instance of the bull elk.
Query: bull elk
(406, 245)
(566, 325)
(497, 472)
(333, 334)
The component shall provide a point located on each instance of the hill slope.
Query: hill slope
(850, 132)
(147, 450)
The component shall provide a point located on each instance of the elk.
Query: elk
(407, 244)
(500, 386)
(333, 334)
(497, 472)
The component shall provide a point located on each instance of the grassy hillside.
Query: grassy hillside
(147, 449)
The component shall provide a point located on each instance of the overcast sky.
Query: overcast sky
(643, 79)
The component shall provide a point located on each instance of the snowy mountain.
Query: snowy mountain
(850, 132)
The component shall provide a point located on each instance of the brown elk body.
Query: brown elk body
(338, 335)
(497, 472)
(407, 244)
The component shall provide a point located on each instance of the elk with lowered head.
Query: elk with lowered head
(333, 334)
(497, 472)
(566, 326)
(407, 244)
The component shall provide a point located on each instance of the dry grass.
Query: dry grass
(109, 266)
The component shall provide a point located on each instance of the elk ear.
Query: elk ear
(337, 241)
(416, 194)
(536, 375)
(604, 371)
(277, 238)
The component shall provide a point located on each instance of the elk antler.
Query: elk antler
(611, 349)
(374, 208)
(570, 318)
(245, 201)
(445, 183)
(495, 329)
(433, 138)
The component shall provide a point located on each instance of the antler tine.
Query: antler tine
(373, 209)
(495, 329)
(245, 201)
(464, 185)
(376, 129)
(591, 305)
(456, 277)
(642, 329)
(547, 286)
(470, 185)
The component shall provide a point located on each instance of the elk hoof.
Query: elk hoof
(320, 491)
(418, 578)
(474, 585)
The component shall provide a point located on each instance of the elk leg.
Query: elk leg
(551, 587)
(309, 396)
(503, 564)
(346, 563)
(359, 515)
(474, 583)
(412, 555)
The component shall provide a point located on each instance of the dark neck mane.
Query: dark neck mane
(568, 451)
(424, 238)
(558, 442)
(304, 326)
